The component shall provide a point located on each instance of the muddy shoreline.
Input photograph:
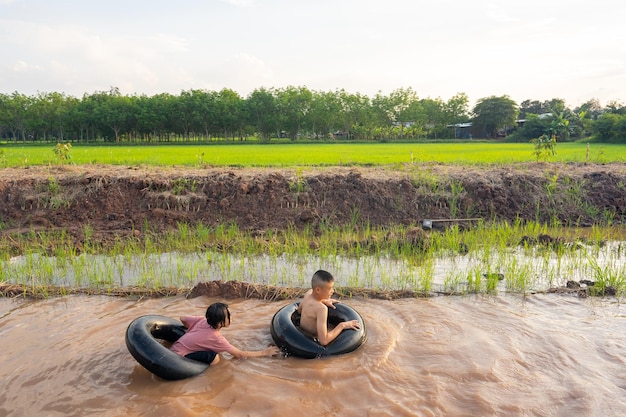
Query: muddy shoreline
(238, 290)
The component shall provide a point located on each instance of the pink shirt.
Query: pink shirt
(200, 337)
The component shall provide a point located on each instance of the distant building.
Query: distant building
(467, 131)
(403, 124)
(463, 130)
(520, 122)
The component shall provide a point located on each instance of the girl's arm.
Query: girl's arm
(270, 351)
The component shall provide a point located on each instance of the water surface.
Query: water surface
(521, 270)
(543, 355)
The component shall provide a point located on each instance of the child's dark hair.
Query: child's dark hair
(216, 315)
(321, 276)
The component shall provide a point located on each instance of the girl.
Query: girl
(203, 341)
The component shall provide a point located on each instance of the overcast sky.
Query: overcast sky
(539, 50)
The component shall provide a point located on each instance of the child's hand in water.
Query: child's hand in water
(271, 351)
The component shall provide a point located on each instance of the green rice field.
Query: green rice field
(309, 154)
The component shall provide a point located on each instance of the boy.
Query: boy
(313, 311)
(203, 341)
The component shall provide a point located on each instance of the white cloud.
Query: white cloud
(22, 66)
(533, 50)
(79, 56)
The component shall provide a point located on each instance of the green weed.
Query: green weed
(181, 186)
(63, 152)
(298, 183)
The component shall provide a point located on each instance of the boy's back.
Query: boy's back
(309, 310)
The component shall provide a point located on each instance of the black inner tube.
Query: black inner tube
(294, 341)
(142, 341)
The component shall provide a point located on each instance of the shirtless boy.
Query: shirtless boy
(314, 312)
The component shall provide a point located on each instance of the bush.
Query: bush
(545, 146)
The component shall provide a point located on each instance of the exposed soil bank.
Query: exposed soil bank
(236, 289)
(222, 289)
(116, 200)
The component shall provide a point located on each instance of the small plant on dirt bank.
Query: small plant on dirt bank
(456, 188)
(51, 194)
(200, 158)
(298, 183)
(426, 180)
(181, 185)
(62, 152)
(545, 146)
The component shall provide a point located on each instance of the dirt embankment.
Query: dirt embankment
(117, 200)
(121, 201)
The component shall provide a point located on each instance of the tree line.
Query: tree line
(296, 113)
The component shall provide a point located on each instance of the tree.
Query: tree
(115, 111)
(559, 126)
(104, 112)
(456, 108)
(493, 114)
(203, 107)
(556, 106)
(354, 111)
(48, 114)
(262, 112)
(294, 104)
(620, 129)
(434, 116)
(531, 107)
(592, 109)
(184, 109)
(14, 114)
(401, 101)
(392, 113)
(61, 106)
(586, 113)
(382, 110)
(230, 113)
(38, 120)
(155, 115)
(325, 116)
(534, 126)
(605, 127)
(615, 107)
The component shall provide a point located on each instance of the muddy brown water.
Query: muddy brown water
(542, 355)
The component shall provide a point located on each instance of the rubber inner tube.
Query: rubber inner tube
(291, 339)
(142, 341)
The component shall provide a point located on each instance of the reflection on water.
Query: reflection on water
(543, 355)
(518, 269)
